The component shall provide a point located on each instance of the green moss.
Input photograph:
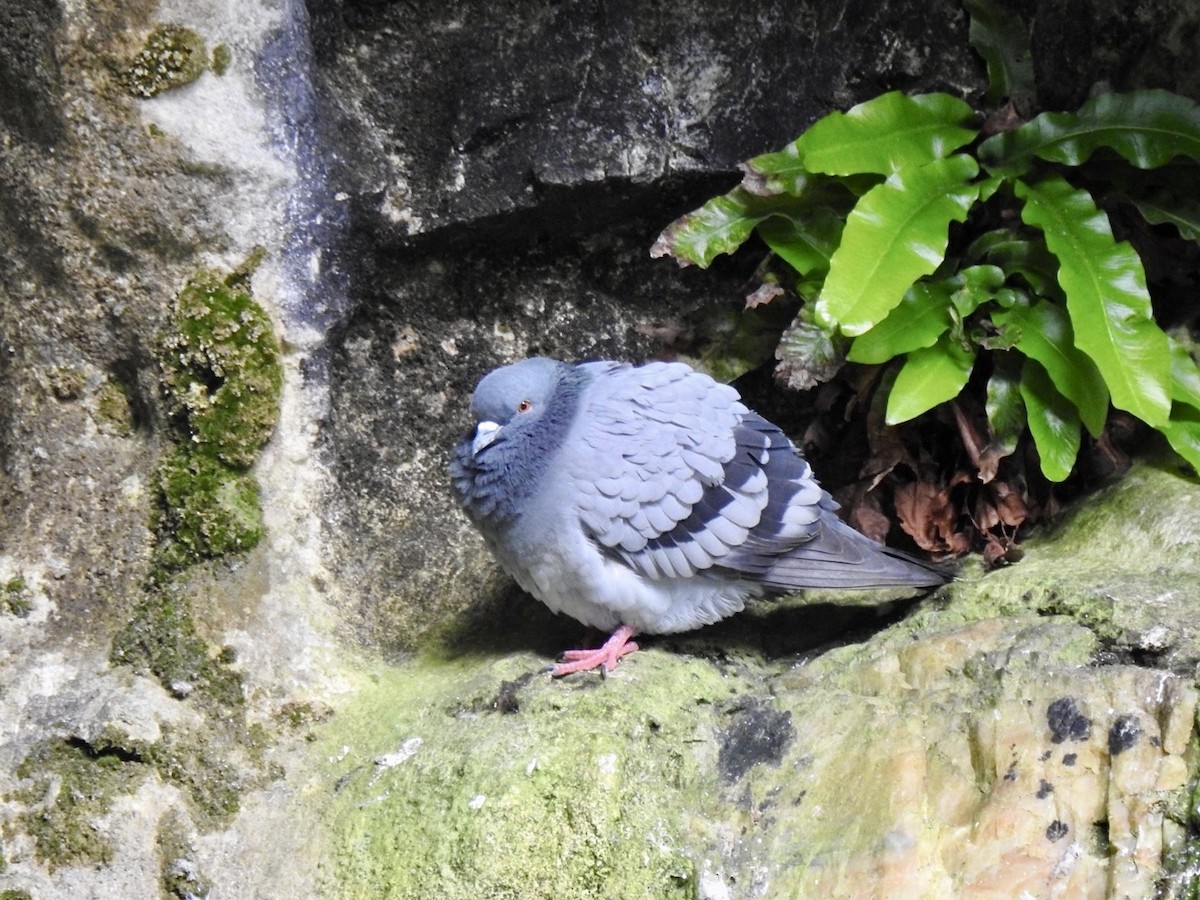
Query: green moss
(304, 714)
(14, 894)
(15, 597)
(205, 509)
(221, 57)
(221, 368)
(72, 786)
(222, 376)
(171, 57)
(214, 766)
(178, 875)
(161, 639)
(112, 409)
(500, 786)
(202, 767)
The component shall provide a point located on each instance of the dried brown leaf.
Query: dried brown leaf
(867, 517)
(1009, 504)
(764, 294)
(928, 515)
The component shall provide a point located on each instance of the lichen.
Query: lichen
(113, 412)
(221, 368)
(171, 57)
(15, 597)
(221, 57)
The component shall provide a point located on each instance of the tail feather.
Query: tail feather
(841, 557)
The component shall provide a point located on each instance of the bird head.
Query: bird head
(512, 399)
(522, 413)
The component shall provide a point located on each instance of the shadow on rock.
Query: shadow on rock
(512, 622)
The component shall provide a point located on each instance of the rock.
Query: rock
(577, 95)
(312, 693)
(981, 760)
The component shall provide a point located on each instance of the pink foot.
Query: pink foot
(604, 658)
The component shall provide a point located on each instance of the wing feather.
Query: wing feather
(685, 477)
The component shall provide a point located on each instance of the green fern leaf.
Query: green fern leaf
(1043, 332)
(883, 135)
(896, 233)
(1106, 296)
(929, 377)
(1053, 421)
(1147, 128)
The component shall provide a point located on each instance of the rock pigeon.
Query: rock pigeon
(649, 499)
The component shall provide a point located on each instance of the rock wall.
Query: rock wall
(231, 667)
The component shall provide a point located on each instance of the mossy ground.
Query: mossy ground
(561, 794)
(777, 742)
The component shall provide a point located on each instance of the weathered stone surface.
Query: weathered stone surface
(484, 110)
(431, 189)
(937, 767)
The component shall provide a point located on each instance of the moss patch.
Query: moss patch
(179, 876)
(222, 377)
(71, 783)
(72, 786)
(206, 509)
(221, 368)
(171, 57)
(161, 640)
(222, 56)
(203, 766)
(15, 597)
(113, 412)
(67, 382)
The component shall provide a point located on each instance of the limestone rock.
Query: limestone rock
(410, 194)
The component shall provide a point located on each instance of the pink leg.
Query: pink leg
(604, 658)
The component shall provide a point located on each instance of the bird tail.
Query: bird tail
(841, 557)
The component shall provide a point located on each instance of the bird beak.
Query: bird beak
(485, 433)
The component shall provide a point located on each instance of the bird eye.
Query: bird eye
(524, 406)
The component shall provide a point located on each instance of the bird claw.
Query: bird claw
(604, 658)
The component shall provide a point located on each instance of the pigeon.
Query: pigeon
(650, 500)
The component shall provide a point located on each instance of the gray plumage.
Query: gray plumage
(650, 497)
